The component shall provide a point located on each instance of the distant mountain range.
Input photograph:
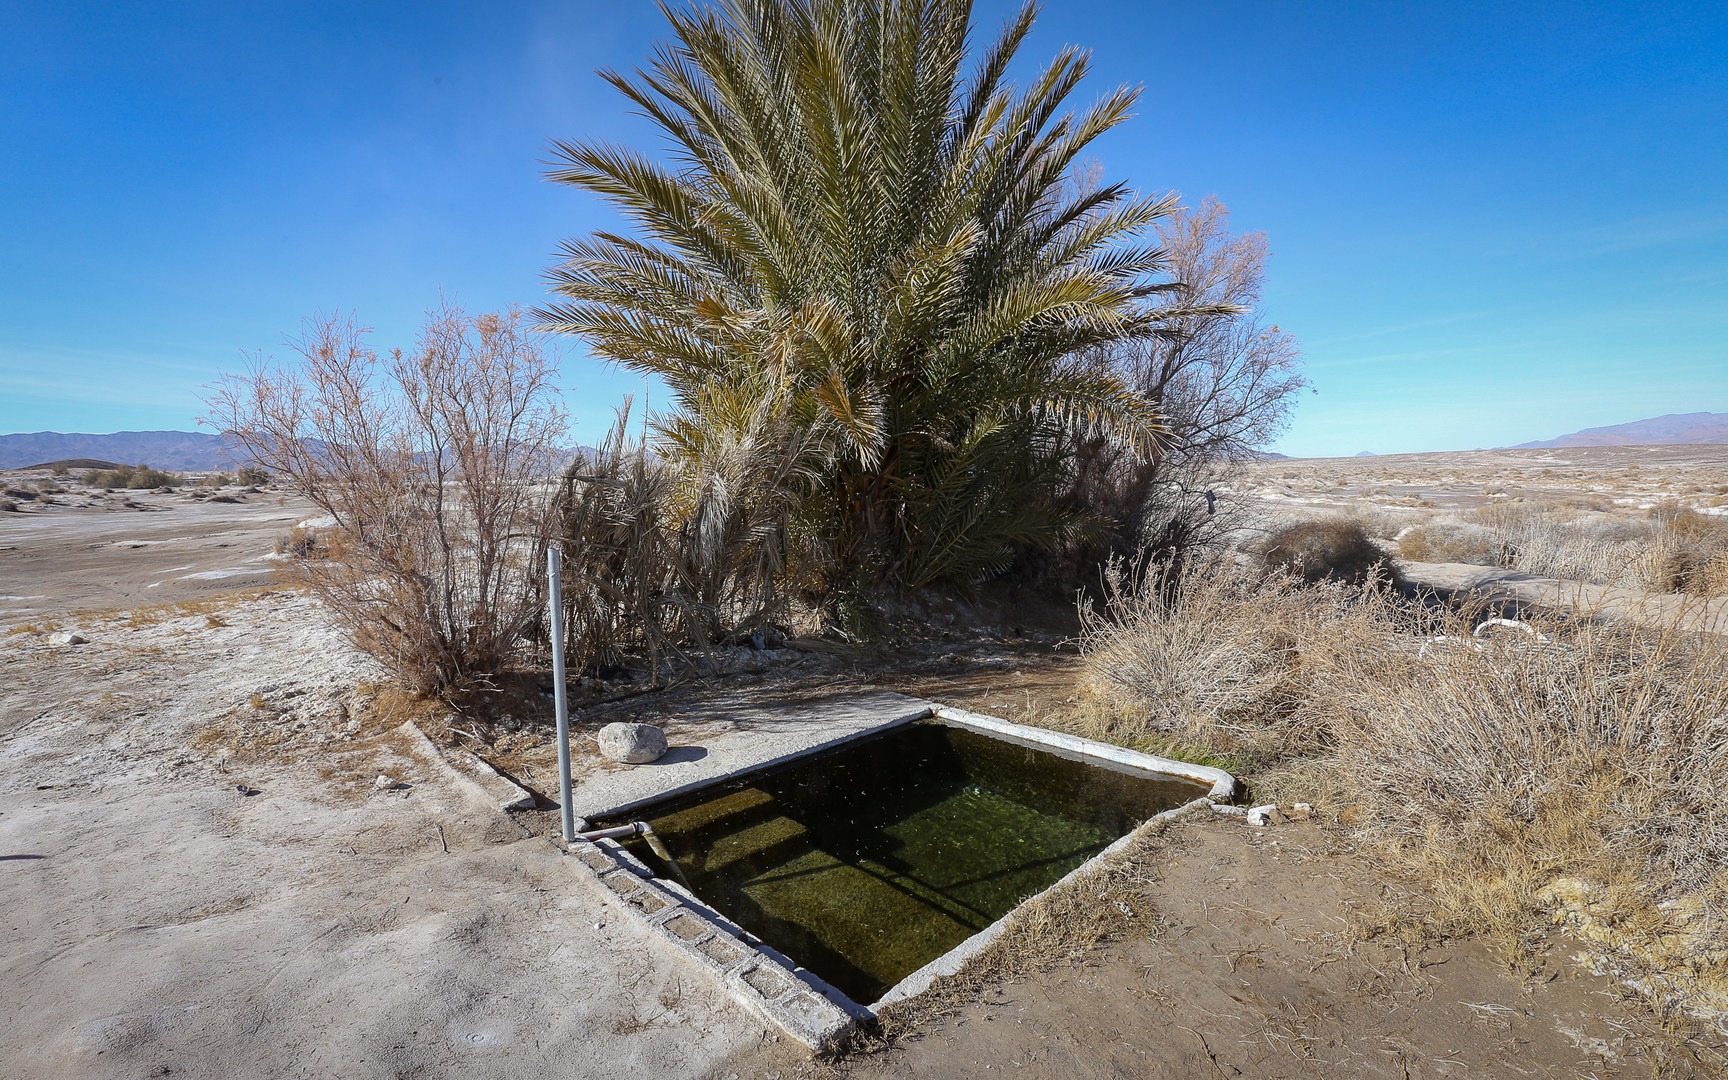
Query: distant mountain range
(1676, 428)
(197, 452)
(175, 451)
(172, 450)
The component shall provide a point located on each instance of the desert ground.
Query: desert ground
(1406, 485)
(222, 854)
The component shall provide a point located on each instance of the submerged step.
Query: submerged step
(867, 862)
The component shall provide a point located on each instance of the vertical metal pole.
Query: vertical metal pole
(555, 600)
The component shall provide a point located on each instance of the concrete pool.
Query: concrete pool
(846, 857)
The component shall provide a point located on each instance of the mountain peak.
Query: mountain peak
(1675, 428)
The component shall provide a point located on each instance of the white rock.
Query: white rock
(67, 637)
(384, 783)
(1262, 815)
(634, 744)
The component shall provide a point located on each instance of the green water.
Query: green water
(867, 862)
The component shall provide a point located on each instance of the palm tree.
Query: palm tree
(884, 254)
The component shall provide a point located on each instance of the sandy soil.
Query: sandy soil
(1603, 477)
(1249, 961)
(199, 876)
(89, 550)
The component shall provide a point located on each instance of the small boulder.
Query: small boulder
(67, 637)
(1261, 816)
(633, 744)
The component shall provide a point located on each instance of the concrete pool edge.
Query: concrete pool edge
(1222, 783)
(792, 733)
(952, 961)
(1223, 789)
(771, 984)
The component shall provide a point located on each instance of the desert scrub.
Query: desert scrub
(1524, 781)
(1571, 774)
(1322, 549)
(132, 477)
(302, 542)
(1219, 661)
(1451, 542)
(1689, 553)
(1671, 549)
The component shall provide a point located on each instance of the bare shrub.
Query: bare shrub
(1322, 549)
(301, 542)
(1690, 546)
(252, 476)
(1224, 381)
(434, 466)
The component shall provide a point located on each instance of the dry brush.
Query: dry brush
(433, 466)
(1573, 771)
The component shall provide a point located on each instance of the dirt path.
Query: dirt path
(159, 921)
(1247, 961)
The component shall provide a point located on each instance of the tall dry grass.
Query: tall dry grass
(1220, 661)
(1513, 781)
(1671, 549)
(664, 557)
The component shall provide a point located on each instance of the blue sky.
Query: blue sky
(1490, 222)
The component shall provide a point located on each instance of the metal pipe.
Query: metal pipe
(616, 832)
(555, 588)
(646, 832)
(653, 841)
